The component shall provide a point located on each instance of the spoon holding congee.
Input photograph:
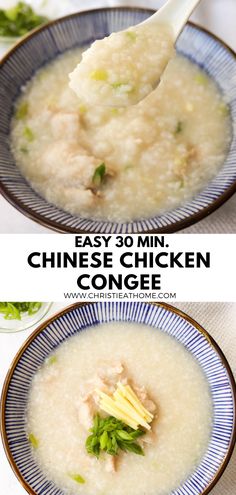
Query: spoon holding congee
(123, 68)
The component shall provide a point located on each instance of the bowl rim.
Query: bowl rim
(74, 306)
(56, 226)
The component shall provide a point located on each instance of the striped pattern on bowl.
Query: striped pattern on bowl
(79, 30)
(82, 316)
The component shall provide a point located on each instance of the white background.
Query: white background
(21, 282)
(219, 16)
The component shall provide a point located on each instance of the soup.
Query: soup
(120, 164)
(168, 380)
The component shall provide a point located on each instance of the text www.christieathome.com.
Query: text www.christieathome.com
(120, 295)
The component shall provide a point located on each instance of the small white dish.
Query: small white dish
(27, 321)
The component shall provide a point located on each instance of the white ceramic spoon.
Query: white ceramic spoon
(125, 67)
(174, 13)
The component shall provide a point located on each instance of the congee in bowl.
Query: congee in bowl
(117, 398)
(120, 164)
(158, 165)
(65, 398)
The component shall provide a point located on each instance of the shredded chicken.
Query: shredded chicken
(111, 464)
(62, 123)
(106, 380)
(142, 394)
(111, 374)
(86, 412)
(148, 438)
(192, 152)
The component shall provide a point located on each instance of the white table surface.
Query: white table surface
(219, 16)
(218, 319)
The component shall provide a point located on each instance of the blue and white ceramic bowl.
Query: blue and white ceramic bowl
(82, 316)
(43, 45)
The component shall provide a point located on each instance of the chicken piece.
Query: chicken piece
(149, 405)
(65, 124)
(192, 153)
(88, 389)
(44, 115)
(142, 394)
(110, 464)
(109, 372)
(80, 198)
(67, 161)
(86, 412)
(148, 438)
(67, 99)
(184, 161)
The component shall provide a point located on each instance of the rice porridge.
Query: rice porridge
(120, 164)
(124, 67)
(163, 369)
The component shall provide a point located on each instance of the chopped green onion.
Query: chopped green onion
(10, 311)
(179, 127)
(99, 175)
(181, 183)
(77, 477)
(104, 440)
(224, 109)
(123, 87)
(22, 110)
(51, 360)
(99, 75)
(28, 134)
(19, 19)
(117, 85)
(23, 149)
(135, 448)
(111, 435)
(15, 310)
(32, 307)
(201, 79)
(128, 167)
(33, 440)
(124, 435)
(115, 111)
(131, 35)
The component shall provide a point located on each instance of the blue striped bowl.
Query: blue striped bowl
(82, 316)
(81, 29)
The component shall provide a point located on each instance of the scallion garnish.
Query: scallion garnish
(99, 75)
(15, 310)
(19, 19)
(111, 435)
(28, 134)
(22, 110)
(179, 127)
(33, 440)
(99, 175)
(77, 478)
